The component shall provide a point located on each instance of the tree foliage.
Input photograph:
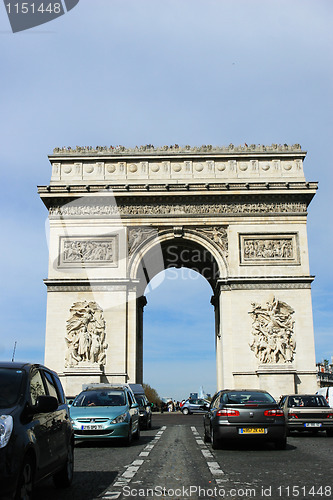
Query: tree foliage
(152, 395)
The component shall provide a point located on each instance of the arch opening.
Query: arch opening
(189, 266)
(178, 334)
(176, 253)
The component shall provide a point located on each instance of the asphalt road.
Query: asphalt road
(171, 461)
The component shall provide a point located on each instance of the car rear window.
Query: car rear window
(100, 398)
(307, 401)
(140, 400)
(240, 397)
(10, 386)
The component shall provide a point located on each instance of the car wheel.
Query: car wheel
(137, 433)
(216, 443)
(186, 411)
(206, 436)
(149, 424)
(281, 444)
(329, 433)
(128, 438)
(64, 478)
(25, 483)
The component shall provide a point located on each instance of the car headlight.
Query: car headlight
(6, 427)
(119, 419)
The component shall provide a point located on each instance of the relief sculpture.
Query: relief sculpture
(268, 249)
(137, 235)
(85, 337)
(273, 332)
(219, 235)
(87, 251)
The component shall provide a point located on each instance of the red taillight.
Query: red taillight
(227, 413)
(292, 415)
(329, 415)
(273, 413)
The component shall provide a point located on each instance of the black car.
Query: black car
(244, 415)
(36, 436)
(144, 411)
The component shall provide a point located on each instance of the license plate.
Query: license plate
(91, 427)
(313, 424)
(252, 430)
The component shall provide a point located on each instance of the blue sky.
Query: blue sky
(134, 72)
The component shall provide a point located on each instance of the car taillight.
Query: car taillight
(329, 415)
(273, 413)
(227, 413)
(292, 415)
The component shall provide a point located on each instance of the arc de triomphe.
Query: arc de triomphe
(236, 214)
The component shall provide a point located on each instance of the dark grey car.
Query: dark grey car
(244, 415)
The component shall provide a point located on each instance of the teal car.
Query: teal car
(105, 412)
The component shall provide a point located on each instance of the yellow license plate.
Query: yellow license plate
(252, 430)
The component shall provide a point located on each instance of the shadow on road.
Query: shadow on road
(86, 485)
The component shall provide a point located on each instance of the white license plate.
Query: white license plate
(313, 424)
(91, 427)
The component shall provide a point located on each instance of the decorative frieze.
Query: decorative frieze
(231, 208)
(88, 252)
(273, 332)
(256, 249)
(85, 336)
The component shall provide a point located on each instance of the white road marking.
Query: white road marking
(214, 467)
(131, 469)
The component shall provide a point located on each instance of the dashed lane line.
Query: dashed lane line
(213, 466)
(131, 470)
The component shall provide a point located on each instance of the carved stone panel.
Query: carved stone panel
(257, 249)
(85, 336)
(136, 235)
(218, 234)
(88, 252)
(273, 332)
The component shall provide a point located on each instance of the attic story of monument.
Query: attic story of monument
(237, 215)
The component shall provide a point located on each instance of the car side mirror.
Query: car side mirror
(134, 405)
(45, 404)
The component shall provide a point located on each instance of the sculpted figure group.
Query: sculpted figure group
(273, 332)
(85, 335)
(268, 249)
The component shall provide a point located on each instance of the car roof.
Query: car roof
(244, 390)
(21, 365)
(299, 395)
(103, 387)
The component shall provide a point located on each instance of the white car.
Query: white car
(327, 392)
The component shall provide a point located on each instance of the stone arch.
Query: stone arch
(151, 256)
(245, 206)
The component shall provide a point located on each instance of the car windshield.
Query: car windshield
(100, 398)
(240, 397)
(10, 386)
(307, 401)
